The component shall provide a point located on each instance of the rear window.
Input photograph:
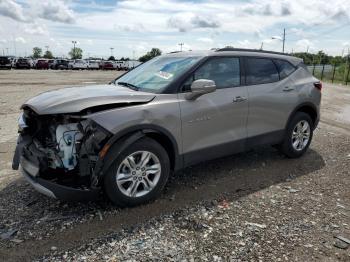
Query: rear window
(260, 71)
(285, 68)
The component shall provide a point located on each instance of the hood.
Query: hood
(76, 99)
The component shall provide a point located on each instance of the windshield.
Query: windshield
(154, 75)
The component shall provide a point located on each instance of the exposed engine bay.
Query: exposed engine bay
(64, 147)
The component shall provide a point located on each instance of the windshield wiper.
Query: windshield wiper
(131, 86)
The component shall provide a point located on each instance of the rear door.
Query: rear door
(214, 124)
(272, 97)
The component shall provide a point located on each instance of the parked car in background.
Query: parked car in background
(5, 62)
(42, 64)
(171, 112)
(50, 62)
(22, 63)
(78, 64)
(93, 64)
(119, 65)
(59, 64)
(107, 65)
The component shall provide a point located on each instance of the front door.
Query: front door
(214, 124)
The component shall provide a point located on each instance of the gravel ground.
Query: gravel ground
(253, 206)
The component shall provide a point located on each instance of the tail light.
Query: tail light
(318, 85)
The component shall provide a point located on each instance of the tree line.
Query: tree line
(322, 58)
(309, 59)
(77, 53)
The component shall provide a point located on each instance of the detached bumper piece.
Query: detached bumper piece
(52, 189)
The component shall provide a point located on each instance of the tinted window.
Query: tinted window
(260, 71)
(224, 71)
(284, 68)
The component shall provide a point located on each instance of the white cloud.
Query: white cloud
(142, 24)
(36, 29)
(304, 45)
(56, 11)
(11, 9)
(20, 40)
(205, 40)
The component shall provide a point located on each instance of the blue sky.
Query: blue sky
(132, 27)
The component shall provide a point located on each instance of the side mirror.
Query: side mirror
(200, 87)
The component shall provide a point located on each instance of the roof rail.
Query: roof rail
(249, 50)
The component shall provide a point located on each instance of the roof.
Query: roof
(239, 52)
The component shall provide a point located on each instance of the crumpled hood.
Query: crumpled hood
(76, 99)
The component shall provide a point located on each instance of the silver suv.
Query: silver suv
(175, 110)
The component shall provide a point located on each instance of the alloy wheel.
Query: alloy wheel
(138, 174)
(301, 135)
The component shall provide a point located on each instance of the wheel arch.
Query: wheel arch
(307, 108)
(128, 136)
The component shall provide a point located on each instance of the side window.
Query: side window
(260, 71)
(224, 71)
(284, 68)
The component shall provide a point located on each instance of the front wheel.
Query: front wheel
(298, 136)
(138, 174)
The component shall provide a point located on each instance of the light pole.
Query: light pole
(262, 45)
(111, 50)
(181, 44)
(283, 39)
(74, 55)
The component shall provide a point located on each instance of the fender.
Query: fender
(116, 144)
(308, 104)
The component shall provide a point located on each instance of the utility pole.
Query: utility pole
(262, 45)
(181, 44)
(284, 39)
(74, 55)
(47, 48)
(307, 49)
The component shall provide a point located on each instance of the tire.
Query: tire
(290, 146)
(118, 170)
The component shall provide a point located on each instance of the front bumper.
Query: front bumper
(30, 170)
(54, 190)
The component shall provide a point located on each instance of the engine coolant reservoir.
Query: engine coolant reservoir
(67, 137)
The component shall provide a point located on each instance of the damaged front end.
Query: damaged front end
(57, 154)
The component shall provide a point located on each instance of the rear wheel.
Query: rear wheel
(138, 174)
(298, 136)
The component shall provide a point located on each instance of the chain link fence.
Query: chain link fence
(331, 73)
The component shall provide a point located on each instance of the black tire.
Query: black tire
(286, 147)
(110, 186)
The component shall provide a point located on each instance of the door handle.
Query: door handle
(287, 89)
(239, 99)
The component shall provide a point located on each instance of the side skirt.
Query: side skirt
(234, 147)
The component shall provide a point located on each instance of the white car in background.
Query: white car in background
(78, 64)
(119, 65)
(93, 64)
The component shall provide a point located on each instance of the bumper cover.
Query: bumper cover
(57, 191)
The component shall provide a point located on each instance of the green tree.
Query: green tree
(48, 54)
(76, 53)
(111, 58)
(151, 54)
(37, 51)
